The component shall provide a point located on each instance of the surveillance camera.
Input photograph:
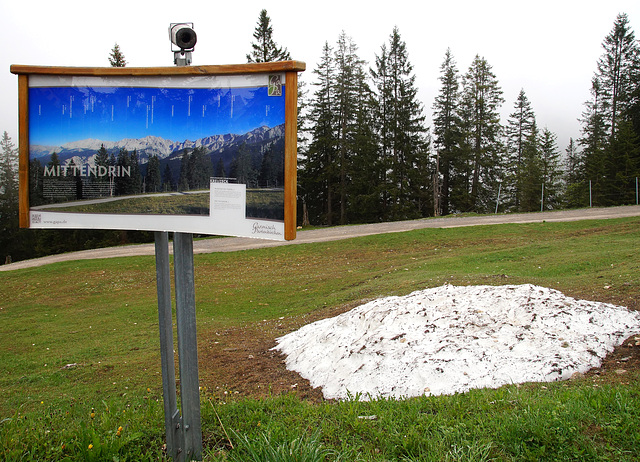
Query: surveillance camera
(183, 36)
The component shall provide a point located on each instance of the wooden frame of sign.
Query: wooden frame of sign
(78, 184)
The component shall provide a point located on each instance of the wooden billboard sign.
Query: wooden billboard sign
(194, 149)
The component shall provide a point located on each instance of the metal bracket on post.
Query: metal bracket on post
(184, 433)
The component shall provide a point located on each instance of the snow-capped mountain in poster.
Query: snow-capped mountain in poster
(84, 151)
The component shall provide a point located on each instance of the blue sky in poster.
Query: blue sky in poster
(66, 114)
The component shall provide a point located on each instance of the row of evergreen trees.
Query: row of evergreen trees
(368, 156)
(196, 169)
(606, 159)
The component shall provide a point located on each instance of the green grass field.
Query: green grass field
(261, 203)
(100, 317)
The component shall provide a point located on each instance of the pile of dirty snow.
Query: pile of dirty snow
(451, 339)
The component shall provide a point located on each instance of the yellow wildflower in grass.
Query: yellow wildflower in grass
(90, 446)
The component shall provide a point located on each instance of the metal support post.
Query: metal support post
(184, 433)
(187, 343)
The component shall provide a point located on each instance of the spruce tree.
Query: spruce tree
(348, 84)
(167, 178)
(183, 180)
(610, 142)
(480, 167)
(153, 180)
(365, 167)
(36, 183)
(594, 142)
(135, 180)
(265, 49)
(242, 167)
(116, 57)
(318, 173)
(200, 169)
(552, 172)
(102, 157)
(405, 141)
(220, 171)
(383, 125)
(618, 71)
(447, 132)
(8, 198)
(520, 127)
(54, 161)
(531, 177)
(122, 184)
(573, 176)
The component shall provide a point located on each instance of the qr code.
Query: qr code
(36, 218)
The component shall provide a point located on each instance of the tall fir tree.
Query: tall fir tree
(123, 184)
(573, 176)
(200, 169)
(593, 143)
(318, 175)
(610, 141)
(552, 171)
(153, 179)
(135, 180)
(220, 171)
(36, 183)
(183, 179)
(348, 84)
(405, 141)
(365, 167)
(102, 157)
(618, 71)
(520, 127)
(116, 57)
(479, 168)
(447, 132)
(383, 123)
(167, 179)
(243, 168)
(265, 49)
(531, 176)
(8, 198)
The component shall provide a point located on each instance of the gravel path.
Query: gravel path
(232, 244)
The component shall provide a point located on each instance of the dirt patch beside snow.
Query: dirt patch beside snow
(242, 362)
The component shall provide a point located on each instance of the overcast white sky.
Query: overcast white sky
(548, 48)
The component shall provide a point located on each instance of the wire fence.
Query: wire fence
(589, 193)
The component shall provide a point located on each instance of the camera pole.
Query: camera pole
(184, 432)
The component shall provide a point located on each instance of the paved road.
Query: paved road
(231, 244)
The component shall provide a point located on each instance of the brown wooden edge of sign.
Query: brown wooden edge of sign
(23, 151)
(290, 68)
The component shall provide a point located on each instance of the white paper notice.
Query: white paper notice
(228, 200)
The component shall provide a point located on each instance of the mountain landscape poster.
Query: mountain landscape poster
(156, 152)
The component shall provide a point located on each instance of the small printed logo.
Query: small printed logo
(259, 228)
(36, 218)
(275, 85)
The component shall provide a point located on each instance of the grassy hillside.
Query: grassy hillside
(80, 351)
